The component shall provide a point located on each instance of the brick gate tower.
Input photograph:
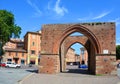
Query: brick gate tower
(100, 46)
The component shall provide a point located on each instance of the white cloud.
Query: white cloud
(35, 7)
(59, 10)
(101, 15)
(92, 16)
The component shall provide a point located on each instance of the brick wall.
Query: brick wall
(101, 40)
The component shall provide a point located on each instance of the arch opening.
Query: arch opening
(76, 59)
(91, 45)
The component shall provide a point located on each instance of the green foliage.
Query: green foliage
(118, 51)
(8, 28)
(99, 74)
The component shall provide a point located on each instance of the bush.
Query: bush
(118, 52)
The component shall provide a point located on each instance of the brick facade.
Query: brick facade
(100, 43)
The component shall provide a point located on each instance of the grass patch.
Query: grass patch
(99, 74)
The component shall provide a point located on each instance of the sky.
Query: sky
(30, 15)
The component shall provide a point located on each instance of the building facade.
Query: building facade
(70, 56)
(74, 59)
(25, 51)
(15, 52)
(33, 47)
(83, 56)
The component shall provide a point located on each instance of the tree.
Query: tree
(8, 28)
(118, 51)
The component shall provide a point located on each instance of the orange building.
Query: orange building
(23, 52)
(15, 52)
(83, 56)
(71, 57)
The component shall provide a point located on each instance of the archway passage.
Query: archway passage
(101, 46)
(76, 60)
(70, 40)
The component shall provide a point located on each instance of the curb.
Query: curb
(20, 81)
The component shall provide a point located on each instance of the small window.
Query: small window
(16, 54)
(33, 43)
(9, 53)
(32, 52)
(22, 61)
(9, 60)
(22, 54)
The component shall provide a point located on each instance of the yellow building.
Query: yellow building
(32, 46)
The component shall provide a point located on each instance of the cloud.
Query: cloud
(35, 7)
(59, 10)
(101, 15)
(92, 16)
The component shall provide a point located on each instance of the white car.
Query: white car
(13, 65)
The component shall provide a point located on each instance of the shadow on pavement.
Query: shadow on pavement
(33, 71)
(77, 71)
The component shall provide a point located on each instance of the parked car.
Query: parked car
(30, 65)
(2, 64)
(118, 65)
(83, 66)
(13, 65)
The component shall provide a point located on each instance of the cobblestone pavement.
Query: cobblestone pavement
(71, 78)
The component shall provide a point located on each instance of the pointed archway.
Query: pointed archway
(101, 46)
(90, 42)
